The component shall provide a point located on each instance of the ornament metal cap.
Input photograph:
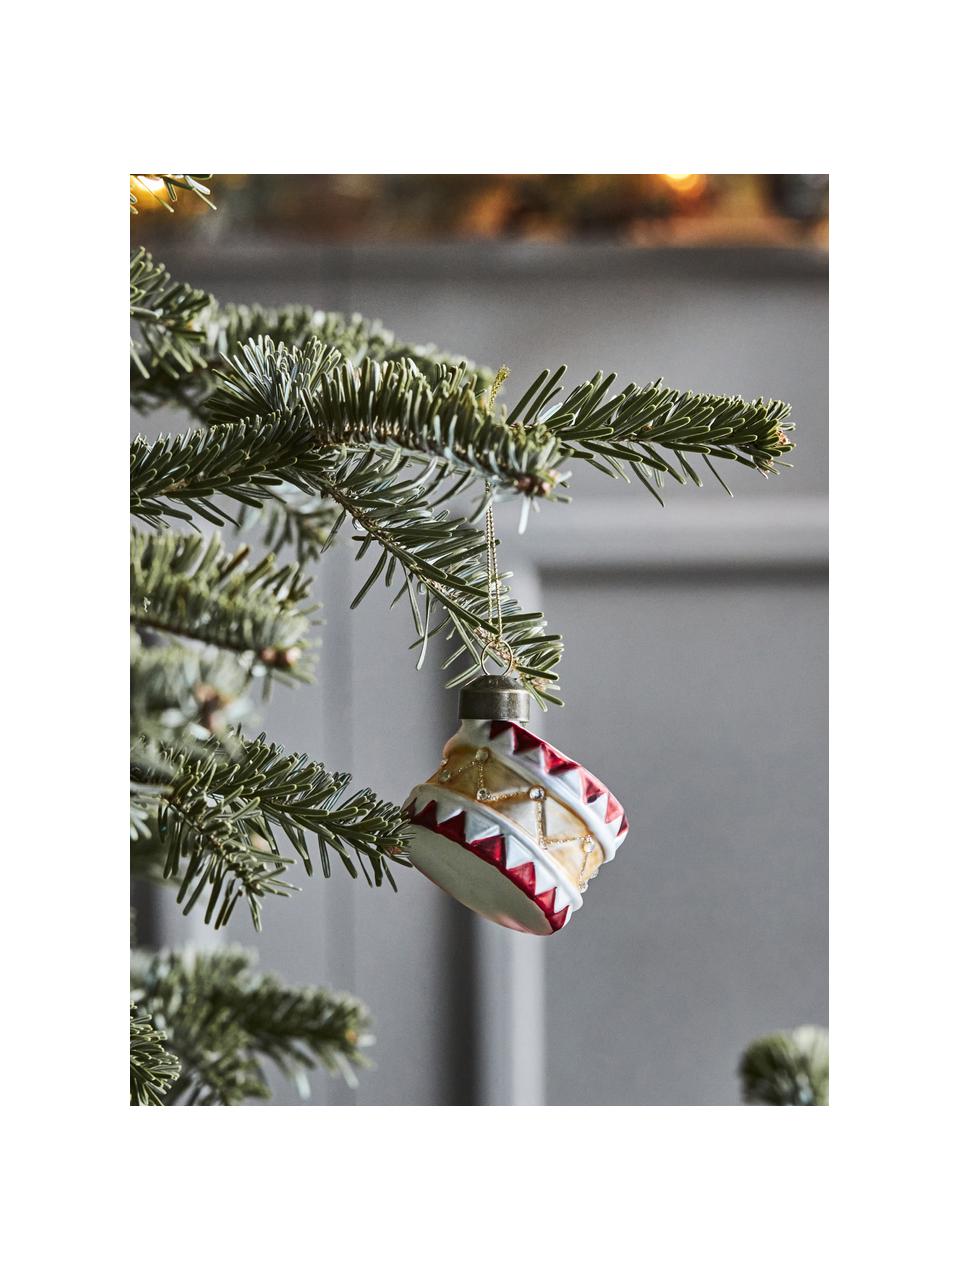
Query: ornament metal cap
(496, 697)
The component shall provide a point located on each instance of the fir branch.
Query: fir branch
(224, 1022)
(174, 477)
(441, 561)
(787, 1069)
(218, 815)
(213, 847)
(390, 403)
(229, 327)
(448, 417)
(197, 837)
(302, 521)
(153, 1069)
(184, 585)
(167, 341)
(223, 329)
(182, 695)
(638, 425)
(358, 386)
(311, 439)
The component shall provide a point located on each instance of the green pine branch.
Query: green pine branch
(440, 564)
(639, 426)
(180, 694)
(301, 417)
(388, 403)
(787, 1069)
(218, 814)
(302, 521)
(295, 415)
(356, 386)
(229, 327)
(175, 477)
(153, 1069)
(211, 849)
(183, 585)
(167, 340)
(219, 331)
(225, 1022)
(649, 429)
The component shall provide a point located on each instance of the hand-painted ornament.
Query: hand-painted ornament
(508, 825)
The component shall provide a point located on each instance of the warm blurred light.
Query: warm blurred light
(685, 184)
(645, 209)
(149, 183)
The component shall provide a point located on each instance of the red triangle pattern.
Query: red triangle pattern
(555, 762)
(492, 849)
(525, 878)
(591, 787)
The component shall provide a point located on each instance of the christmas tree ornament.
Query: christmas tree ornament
(507, 824)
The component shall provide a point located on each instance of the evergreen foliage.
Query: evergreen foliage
(305, 424)
(184, 694)
(167, 342)
(217, 331)
(185, 585)
(153, 1069)
(291, 518)
(218, 815)
(787, 1069)
(223, 1023)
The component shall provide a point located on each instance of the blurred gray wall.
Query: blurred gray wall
(694, 677)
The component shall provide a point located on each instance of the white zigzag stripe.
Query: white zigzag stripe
(598, 806)
(479, 826)
(518, 846)
(418, 799)
(447, 806)
(571, 781)
(516, 854)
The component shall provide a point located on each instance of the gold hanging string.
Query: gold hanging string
(493, 573)
(494, 605)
